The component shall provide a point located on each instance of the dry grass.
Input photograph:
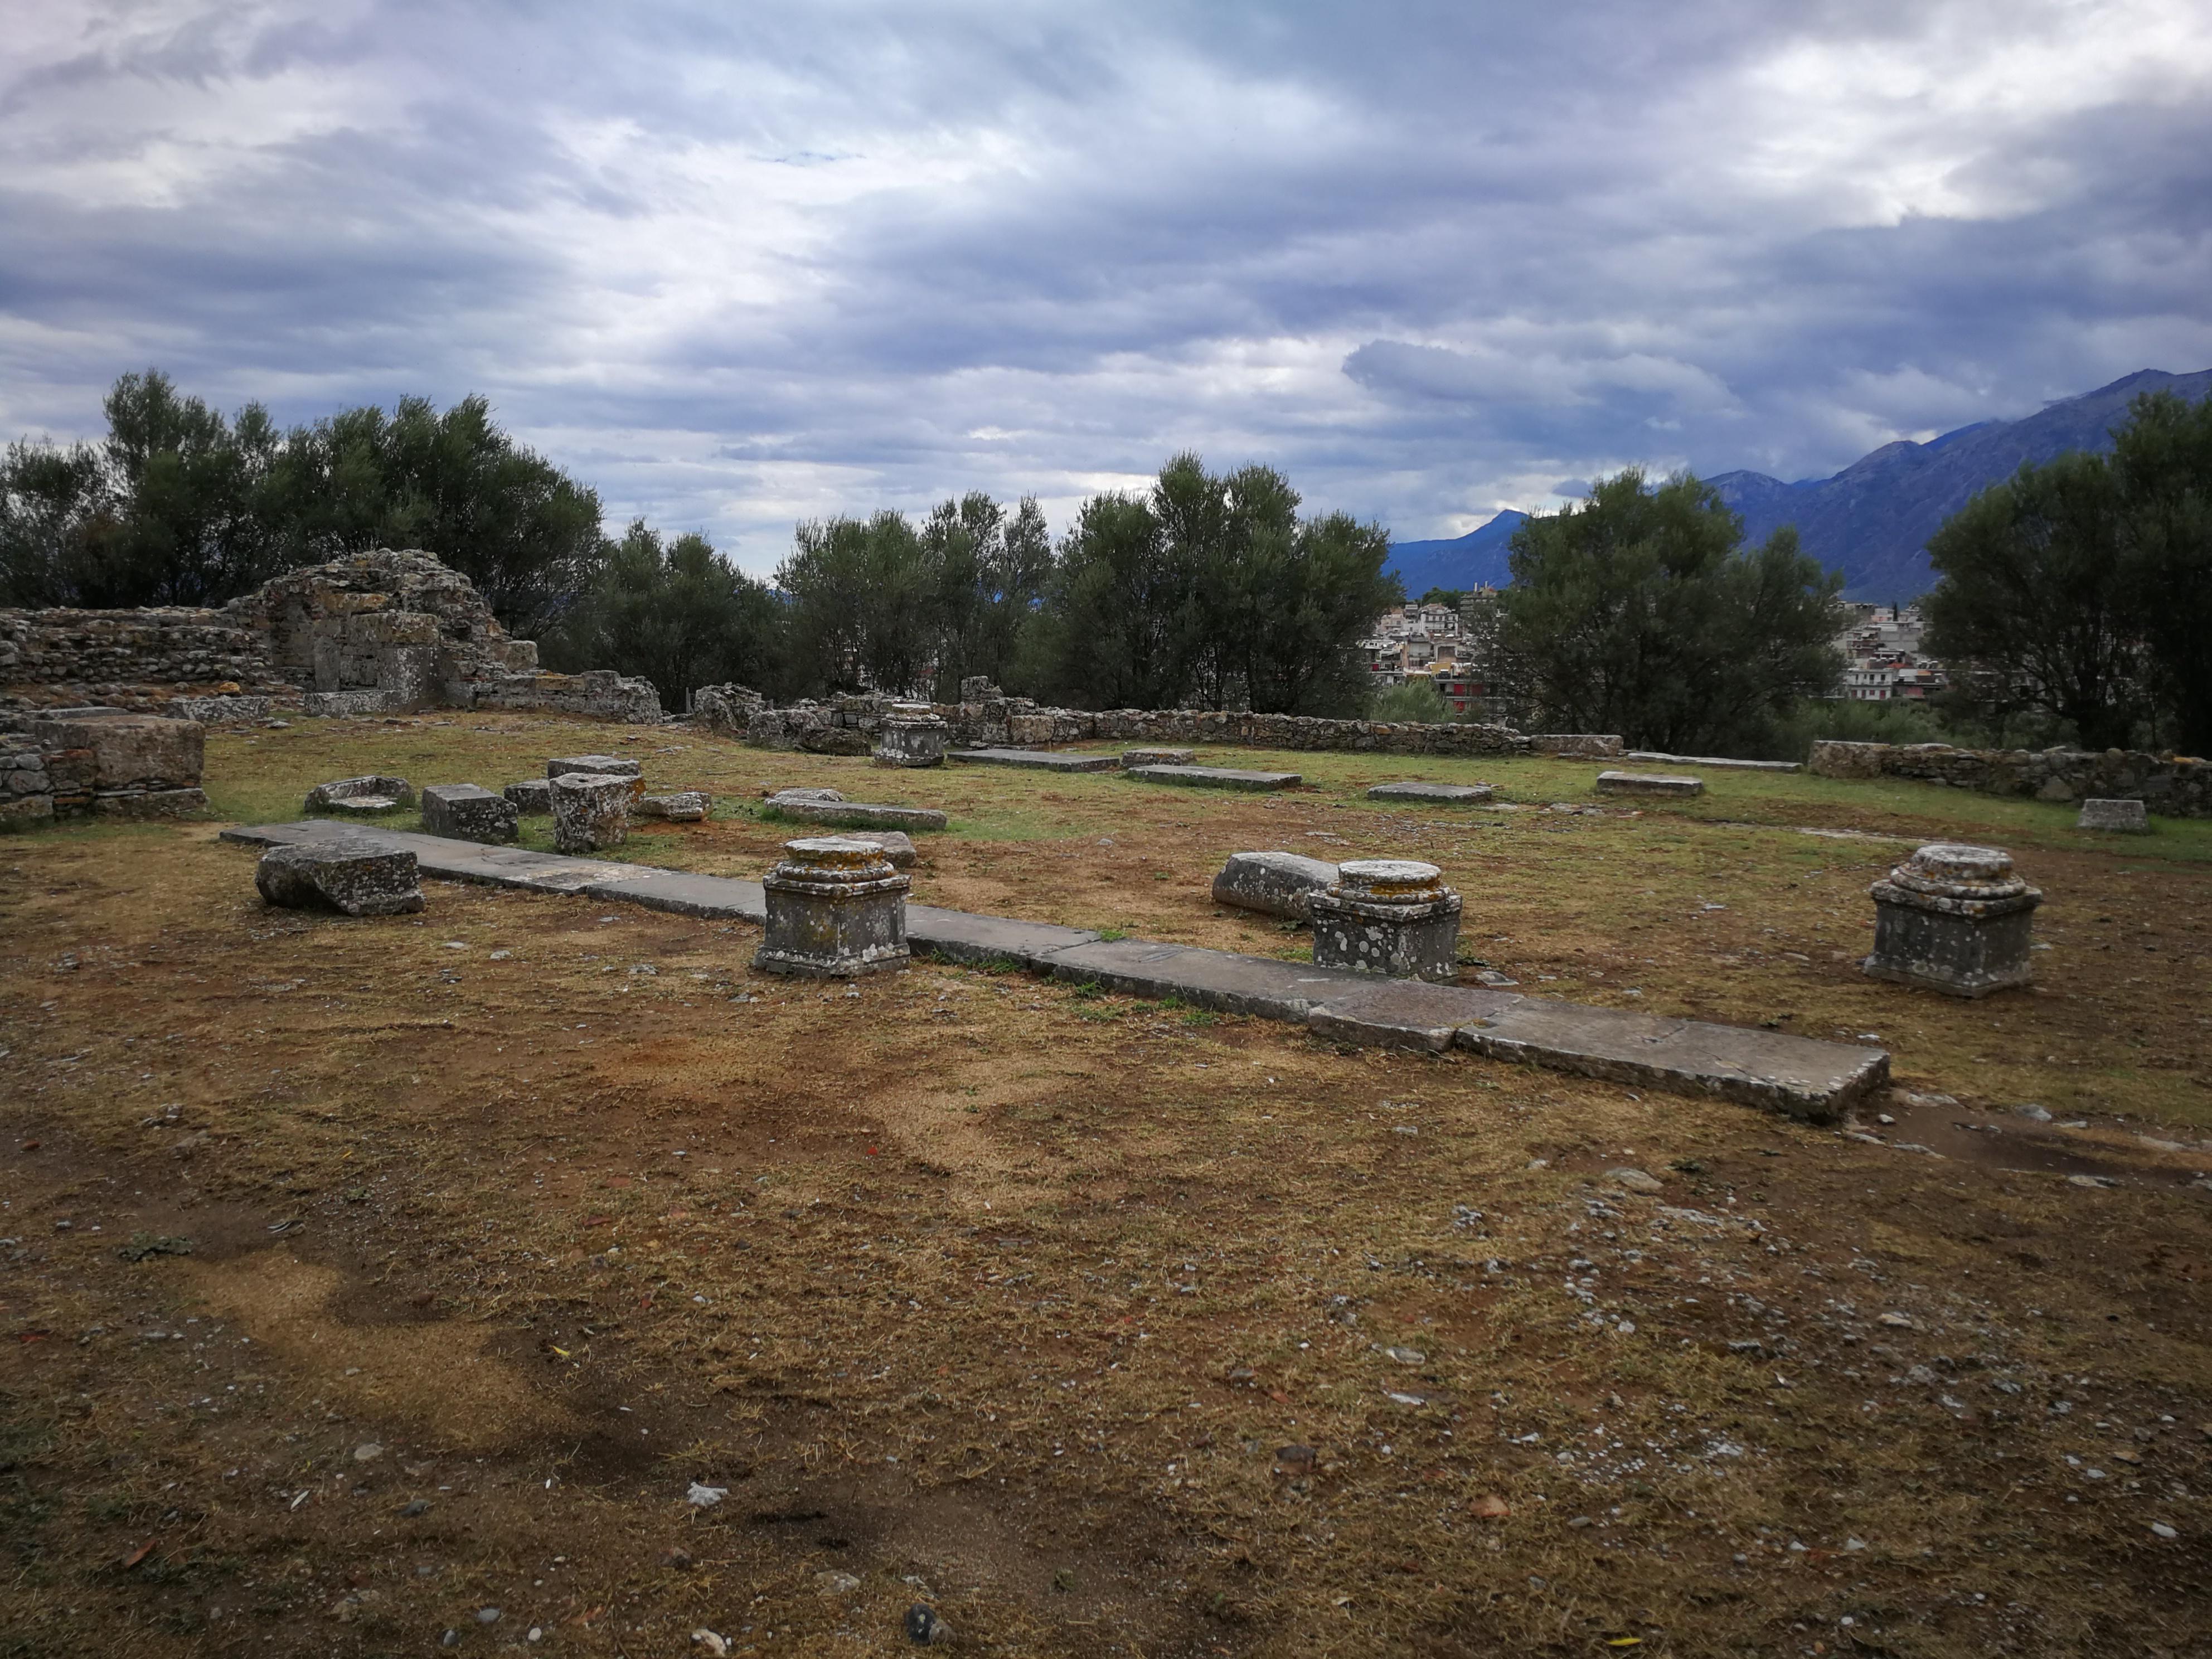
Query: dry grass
(1007, 1296)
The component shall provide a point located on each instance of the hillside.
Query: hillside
(1873, 519)
(1475, 560)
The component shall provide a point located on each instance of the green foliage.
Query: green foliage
(1415, 702)
(1817, 720)
(1450, 597)
(2032, 610)
(2162, 460)
(681, 615)
(1639, 612)
(2076, 595)
(863, 604)
(990, 571)
(179, 506)
(1211, 589)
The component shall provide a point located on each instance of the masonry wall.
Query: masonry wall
(2175, 786)
(848, 726)
(378, 632)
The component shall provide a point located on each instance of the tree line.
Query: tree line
(2074, 600)
(1204, 588)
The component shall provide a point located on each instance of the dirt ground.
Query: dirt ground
(379, 1286)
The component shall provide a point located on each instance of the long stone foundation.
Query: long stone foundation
(850, 726)
(1801, 1076)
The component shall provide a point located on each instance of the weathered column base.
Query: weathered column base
(1389, 916)
(1953, 918)
(911, 735)
(836, 909)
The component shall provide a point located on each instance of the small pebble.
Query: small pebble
(924, 1628)
(487, 1615)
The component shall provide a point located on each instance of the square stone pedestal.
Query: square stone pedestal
(1953, 918)
(1391, 916)
(836, 909)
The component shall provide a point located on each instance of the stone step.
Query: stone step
(1449, 794)
(1648, 783)
(858, 814)
(1038, 760)
(1800, 1076)
(1718, 763)
(1215, 777)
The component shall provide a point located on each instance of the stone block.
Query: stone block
(911, 735)
(531, 797)
(355, 876)
(141, 803)
(858, 815)
(129, 751)
(370, 796)
(2127, 818)
(590, 810)
(1158, 756)
(337, 705)
(1953, 918)
(1038, 760)
(462, 812)
(1389, 916)
(684, 807)
(1273, 884)
(1718, 763)
(603, 766)
(1432, 794)
(895, 845)
(836, 909)
(1216, 777)
(1648, 783)
(787, 797)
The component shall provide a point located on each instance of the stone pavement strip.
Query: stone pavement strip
(1799, 1076)
(1038, 760)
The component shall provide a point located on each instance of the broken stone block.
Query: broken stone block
(684, 807)
(1216, 777)
(836, 909)
(1391, 916)
(462, 812)
(787, 797)
(533, 796)
(1158, 756)
(360, 798)
(2127, 818)
(590, 810)
(603, 766)
(1648, 783)
(1273, 884)
(895, 845)
(352, 875)
(1448, 794)
(912, 734)
(1953, 918)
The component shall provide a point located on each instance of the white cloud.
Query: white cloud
(737, 267)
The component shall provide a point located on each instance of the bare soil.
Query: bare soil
(362, 1277)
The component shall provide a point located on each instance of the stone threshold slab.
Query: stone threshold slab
(1038, 760)
(1215, 777)
(1799, 1076)
(1719, 763)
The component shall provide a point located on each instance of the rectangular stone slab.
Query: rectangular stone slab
(678, 893)
(1648, 783)
(1220, 979)
(1402, 1014)
(1038, 760)
(1717, 761)
(1451, 794)
(860, 815)
(956, 936)
(1800, 1076)
(1216, 777)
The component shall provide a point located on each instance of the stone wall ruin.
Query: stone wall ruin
(2174, 785)
(381, 632)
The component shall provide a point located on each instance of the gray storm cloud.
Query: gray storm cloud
(741, 265)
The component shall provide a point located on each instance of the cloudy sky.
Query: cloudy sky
(738, 265)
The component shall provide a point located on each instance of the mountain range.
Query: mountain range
(1872, 520)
